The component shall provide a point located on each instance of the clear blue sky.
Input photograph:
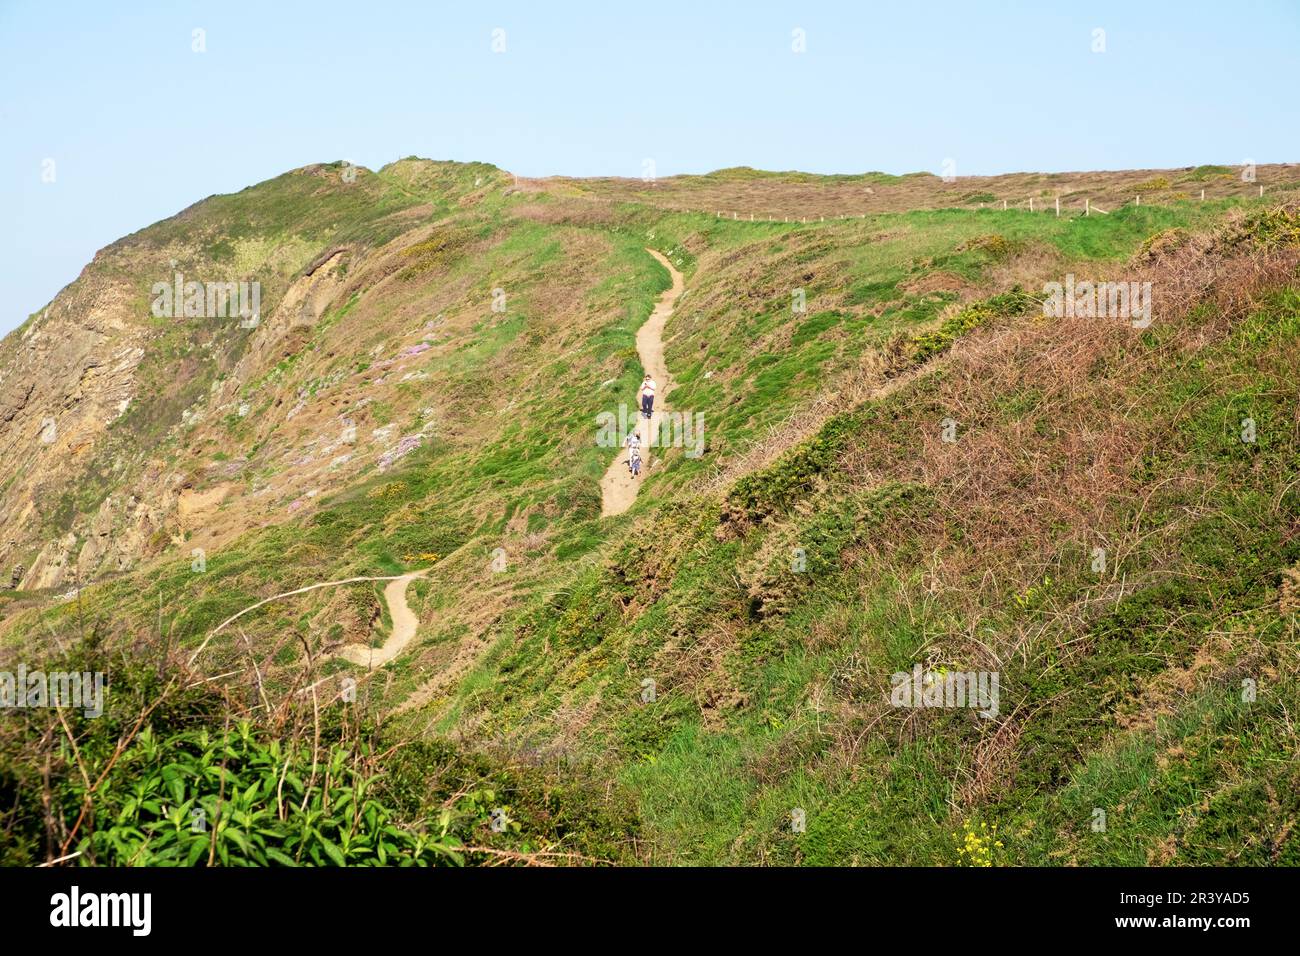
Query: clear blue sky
(140, 126)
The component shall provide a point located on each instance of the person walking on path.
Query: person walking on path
(647, 396)
(619, 487)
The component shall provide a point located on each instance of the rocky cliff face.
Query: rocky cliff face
(65, 377)
(143, 409)
(75, 371)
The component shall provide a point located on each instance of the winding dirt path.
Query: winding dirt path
(405, 623)
(618, 488)
(404, 619)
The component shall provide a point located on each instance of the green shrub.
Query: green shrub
(765, 492)
(229, 798)
(930, 344)
(775, 585)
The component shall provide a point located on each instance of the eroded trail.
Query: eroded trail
(405, 623)
(618, 488)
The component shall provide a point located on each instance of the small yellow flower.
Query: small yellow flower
(977, 844)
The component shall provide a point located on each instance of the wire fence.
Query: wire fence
(1033, 204)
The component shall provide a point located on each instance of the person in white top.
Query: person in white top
(647, 396)
(633, 445)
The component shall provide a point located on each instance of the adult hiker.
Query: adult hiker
(647, 396)
(633, 445)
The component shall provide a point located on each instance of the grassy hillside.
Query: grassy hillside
(834, 532)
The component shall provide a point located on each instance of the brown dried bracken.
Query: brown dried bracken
(1289, 601)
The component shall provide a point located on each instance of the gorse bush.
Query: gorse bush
(773, 489)
(1275, 227)
(1155, 184)
(765, 492)
(808, 550)
(434, 252)
(930, 344)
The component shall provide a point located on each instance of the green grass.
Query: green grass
(769, 678)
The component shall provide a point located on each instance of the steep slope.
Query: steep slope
(1097, 532)
(887, 457)
(105, 392)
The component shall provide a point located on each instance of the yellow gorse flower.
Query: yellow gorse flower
(976, 846)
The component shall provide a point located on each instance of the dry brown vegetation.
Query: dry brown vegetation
(784, 196)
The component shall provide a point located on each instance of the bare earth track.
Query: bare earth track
(404, 620)
(618, 488)
(405, 623)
